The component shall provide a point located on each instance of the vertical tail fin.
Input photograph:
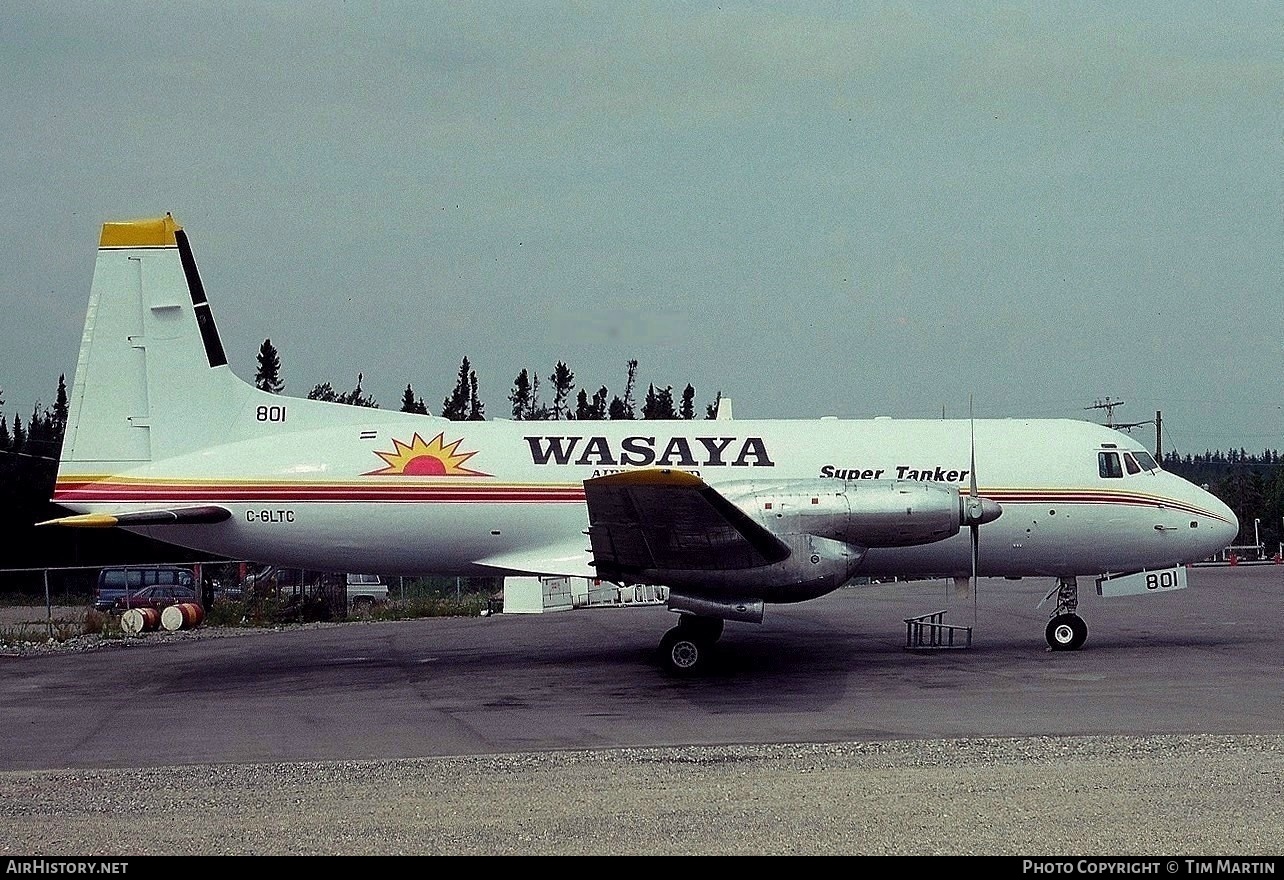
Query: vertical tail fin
(152, 379)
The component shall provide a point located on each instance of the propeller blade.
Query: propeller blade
(976, 554)
(974, 505)
(972, 426)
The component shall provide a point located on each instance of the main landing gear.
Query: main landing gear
(1066, 630)
(686, 649)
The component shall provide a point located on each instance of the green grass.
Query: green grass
(268, 611)
(466, 605)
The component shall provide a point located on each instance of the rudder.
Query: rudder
(152, 378)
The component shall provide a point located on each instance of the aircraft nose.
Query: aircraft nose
(1222, 522)
(1226, 531)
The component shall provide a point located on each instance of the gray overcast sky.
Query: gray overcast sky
(846, 209)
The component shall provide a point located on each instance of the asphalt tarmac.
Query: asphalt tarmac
(1205, 660)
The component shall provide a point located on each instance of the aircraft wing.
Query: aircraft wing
(563, 560)
(670, 520)
(173, 516)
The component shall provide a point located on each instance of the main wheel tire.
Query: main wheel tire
(1066, 632)
(684, 654)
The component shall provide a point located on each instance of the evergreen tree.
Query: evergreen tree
(525, 398)
(37, 432)
(711, 411)
(475, 407)
(618, 410)
(563, 381)
(6, 441)
(60, 410)
(664, 403)
(357, 397)
(521, 395)
(537, 412)
(459, 406)
(688, 402)
(594, 409)
(659, 404)
(323, 392)
(268, 377)
(412, 404)
(628, 390)
(19, 435)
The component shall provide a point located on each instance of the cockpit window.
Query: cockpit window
(1147, 463)
(1131, 464)
(1108, 464)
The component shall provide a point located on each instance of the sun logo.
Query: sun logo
(420, 459)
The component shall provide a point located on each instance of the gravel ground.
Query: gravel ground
(23, 630)
(1091, 796)
(1111, 796)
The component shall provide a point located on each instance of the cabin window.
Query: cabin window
(1108, 464)
(1147, 463)
(1131, 464)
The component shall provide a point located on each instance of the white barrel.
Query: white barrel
(132, 621)
(172, 618)
(184, 615)
(140, 620)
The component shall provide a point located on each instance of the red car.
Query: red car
(157, 596)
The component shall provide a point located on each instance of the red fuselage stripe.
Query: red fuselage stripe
(106, 492)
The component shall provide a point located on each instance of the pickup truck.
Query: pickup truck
(365, 590)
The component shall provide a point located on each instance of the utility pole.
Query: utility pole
(1108, 404)
(1159, 442)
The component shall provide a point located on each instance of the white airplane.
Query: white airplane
(163, 439)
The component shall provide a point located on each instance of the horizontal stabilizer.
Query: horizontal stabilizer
(662, 520)
(179, 516)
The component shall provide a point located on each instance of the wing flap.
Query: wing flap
(661, 520)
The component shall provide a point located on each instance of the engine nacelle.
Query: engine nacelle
(815, 566)
(864, 513)
(901, 513)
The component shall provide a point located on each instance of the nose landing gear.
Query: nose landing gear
(1066, 630)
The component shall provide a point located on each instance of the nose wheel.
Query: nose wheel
(1066, 632)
